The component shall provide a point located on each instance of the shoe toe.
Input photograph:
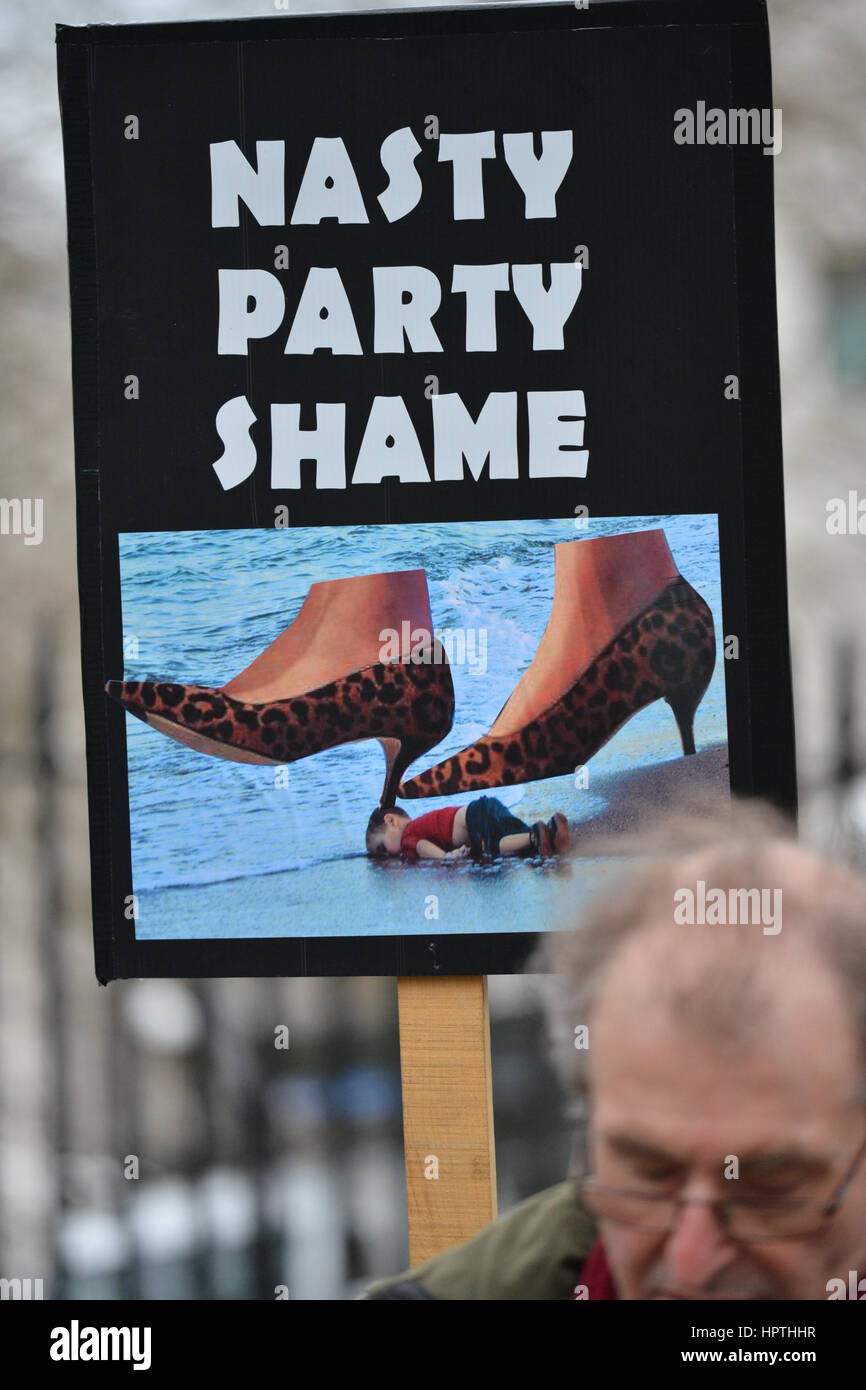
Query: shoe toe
(143, 698)
(131, 695)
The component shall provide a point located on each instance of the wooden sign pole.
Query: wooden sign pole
(447, 1110)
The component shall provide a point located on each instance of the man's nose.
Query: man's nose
(698, 1247)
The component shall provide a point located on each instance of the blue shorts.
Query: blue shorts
(488, 822)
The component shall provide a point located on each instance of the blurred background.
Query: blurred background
(154, 1143)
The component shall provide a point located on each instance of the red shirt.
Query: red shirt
(436, 826)
(596, 1277)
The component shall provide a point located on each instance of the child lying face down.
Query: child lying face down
(483, 827)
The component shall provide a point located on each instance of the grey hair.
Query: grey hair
(727, 842)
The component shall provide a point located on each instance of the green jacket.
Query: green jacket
(535, 1252)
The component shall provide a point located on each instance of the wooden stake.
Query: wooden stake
(447, 1110)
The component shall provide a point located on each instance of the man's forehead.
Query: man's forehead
(665, 960)
(675, 1018)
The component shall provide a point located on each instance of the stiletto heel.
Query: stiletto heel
(684, 702)
(400, 754)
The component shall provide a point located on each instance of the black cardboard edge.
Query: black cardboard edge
(768, 650)
(496, 953)
(383, 23)
(74, 97)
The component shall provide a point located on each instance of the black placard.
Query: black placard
(657, 411)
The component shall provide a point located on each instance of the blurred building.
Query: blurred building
(154, 1142)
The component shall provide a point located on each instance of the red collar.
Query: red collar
(596, 1280)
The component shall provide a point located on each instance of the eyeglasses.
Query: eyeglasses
(746, 1221)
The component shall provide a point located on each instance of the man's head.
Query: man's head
(724, 1065)
(385, 832)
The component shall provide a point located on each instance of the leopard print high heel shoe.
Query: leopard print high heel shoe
(406, 702)
(668, 651)
(409, 708)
